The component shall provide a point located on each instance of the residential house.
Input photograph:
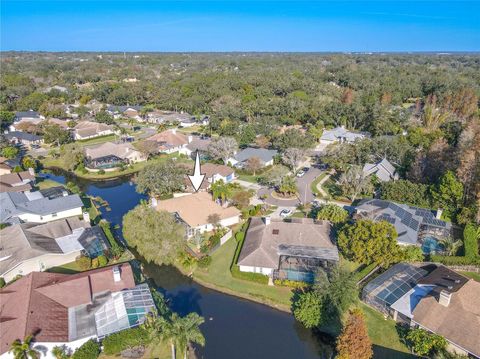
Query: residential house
(383, 170)
(341, 135)
(125, 111)
(17, 207)
(159, 117)
(171, 141)
(17, 182)
(194, 211)
(241, 158)
(214, 173)
(30, 247)
(89, 129)
(200, 144)
(31, 116)
(23, 138)
(110, 155)
(415, 226)
(69, 309)
(288, 250)
(5, 166)
(431, 297)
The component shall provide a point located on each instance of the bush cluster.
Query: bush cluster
(89, 350)
(125, 339)
(290, 283)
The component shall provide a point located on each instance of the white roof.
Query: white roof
(407, 303)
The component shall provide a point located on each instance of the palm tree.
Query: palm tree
(188, 331)
(450, 246)
(220, 190)
(24, 350)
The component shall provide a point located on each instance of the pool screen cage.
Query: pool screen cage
(391, 285)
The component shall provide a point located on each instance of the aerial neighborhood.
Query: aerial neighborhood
(352, 211)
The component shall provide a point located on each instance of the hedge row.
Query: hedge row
(235, 270)
(470, 241)
(89, 350)
(455, 260)
(125, 339)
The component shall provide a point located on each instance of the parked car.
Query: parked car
(285, 213)
(300, 173)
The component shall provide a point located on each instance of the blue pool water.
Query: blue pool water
(431, 245)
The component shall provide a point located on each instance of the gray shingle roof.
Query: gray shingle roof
(22, 136)
(383, 169)
(341, 134)
(21, 114)
(249, 152)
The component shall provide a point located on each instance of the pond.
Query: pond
(234, 327)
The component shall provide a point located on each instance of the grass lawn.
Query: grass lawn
(44, 183)
(472, 275)
(314, 184)
(384, 335)
(159, 352)
(97, 140)
(248, 178)
(218, 275)
(68, 268)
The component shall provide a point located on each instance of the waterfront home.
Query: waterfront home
(341, 135)
(415, 226)
(30, 247)
(292, 250)
(18, 181)
(69, 309)
(23, 138)
(89, 129)
(431, 297)
(241, 158)
(194, 211)
(171, 141)
(110, 155)
(382, 169)
(17, 207)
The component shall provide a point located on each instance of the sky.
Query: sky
(294, 26)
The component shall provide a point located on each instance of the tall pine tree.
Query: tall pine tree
(353, 342)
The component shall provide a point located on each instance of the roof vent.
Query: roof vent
(276, 231)
(117, 277)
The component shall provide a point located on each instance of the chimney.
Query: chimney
(86, 217)
(444, 298)
(190, 138)
(117, 277)
(31, 171)
(174, 131)
(439, 213)
(267, 220)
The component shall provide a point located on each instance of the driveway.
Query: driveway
(303, 183)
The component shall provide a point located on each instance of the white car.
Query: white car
(301, 173)
(285, 213)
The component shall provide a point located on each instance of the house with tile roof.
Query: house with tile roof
(69, 309)
(30, 247)
(23, 138)
(341, 135)
(382, 169)
(18, 207)
(18, 181)
(194, 211)
(110, 155)
(292, 250)
(171, 141)
(415, 226)
(89, 129)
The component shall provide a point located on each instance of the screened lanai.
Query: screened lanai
(391, 285)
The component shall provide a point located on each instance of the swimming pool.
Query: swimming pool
(431, 245)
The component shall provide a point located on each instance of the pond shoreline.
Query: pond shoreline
(72, 174)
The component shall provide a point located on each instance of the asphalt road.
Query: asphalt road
(303, 183)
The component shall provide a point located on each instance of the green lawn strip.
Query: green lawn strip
(248, 178)
(314, 184)
(67, 268)
(473, 275)
(97, 140)
(44, 183)
(383, 333)
(218, 276)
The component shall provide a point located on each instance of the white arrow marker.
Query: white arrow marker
(197, 178)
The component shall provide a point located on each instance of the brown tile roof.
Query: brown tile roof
(16, 182)
(459, 322)
(168, 139)
(90, 128)
(121, 150)
(195, 208)
(211, 169)
(263, 242)
(38, 303)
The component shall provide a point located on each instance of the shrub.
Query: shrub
(102, 261)
(89, 350)
(115, 249)
(204, 262)
(95, 263)
(84, 262)
(2, 282)
(253, 277)
(290, 283)
(101, 172)
(125, 339)
(470, 239)
(424, 343)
